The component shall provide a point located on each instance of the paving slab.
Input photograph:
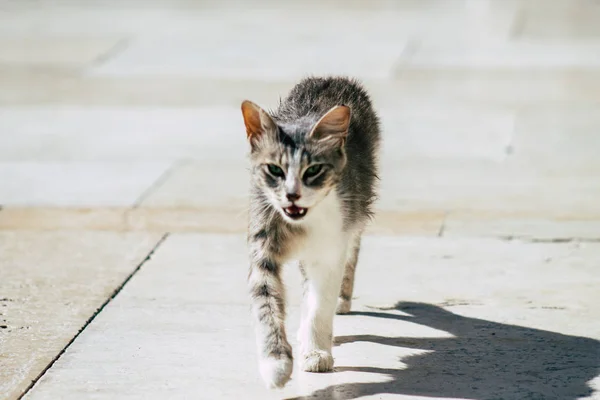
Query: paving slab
(435, 318)
(235, 220)
(497, 87)
(487, 186)
(217, 133)
(65, 19)
(528, 225)
(265, 41)
(77, 184)
(63, 218)
(66, 52)
(491, 88)
(563, 144)
(559, 20)
(455, 133)
(475, 53)
(435, 18)
(52, 283)
(124, 135)
(213, 219)
(51, 87)
(525, 225)
(205, 184)
(245, 54)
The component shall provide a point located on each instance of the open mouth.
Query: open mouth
(295, 212)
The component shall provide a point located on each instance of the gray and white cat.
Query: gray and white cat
(314, 169)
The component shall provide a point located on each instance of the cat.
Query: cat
(313, 185)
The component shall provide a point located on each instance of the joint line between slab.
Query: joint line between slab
(409, 49)
(91, 319)
(442, 229)
(114, 51)
(518, 24)
(157, 183)
(529, 239)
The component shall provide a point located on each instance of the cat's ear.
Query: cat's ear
(333, 126)
(257, 121)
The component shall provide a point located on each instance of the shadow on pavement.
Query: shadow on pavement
(484, 360)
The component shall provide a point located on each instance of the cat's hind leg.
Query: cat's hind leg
(344, 302)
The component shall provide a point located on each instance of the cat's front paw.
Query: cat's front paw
(317, 361)
(276, 372)
(343, 306)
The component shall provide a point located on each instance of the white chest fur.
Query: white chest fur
(325, 240)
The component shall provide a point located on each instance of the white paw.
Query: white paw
(276, 372)
(343, 306)
(317, 361)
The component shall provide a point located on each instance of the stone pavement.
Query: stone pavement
(123, 184)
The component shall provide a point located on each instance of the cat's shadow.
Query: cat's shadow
(483, 360)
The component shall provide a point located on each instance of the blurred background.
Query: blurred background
(125, 114)
(120, 124)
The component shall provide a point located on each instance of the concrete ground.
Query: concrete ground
(123, 184)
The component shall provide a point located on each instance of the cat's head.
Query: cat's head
(296, 164)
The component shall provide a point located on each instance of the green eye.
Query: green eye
(275, 170)
(313, 170)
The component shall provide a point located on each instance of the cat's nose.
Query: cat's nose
(292, 196)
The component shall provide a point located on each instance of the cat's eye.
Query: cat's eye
(275, 170)
(313, 170)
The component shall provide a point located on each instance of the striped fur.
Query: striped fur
(316, 153)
